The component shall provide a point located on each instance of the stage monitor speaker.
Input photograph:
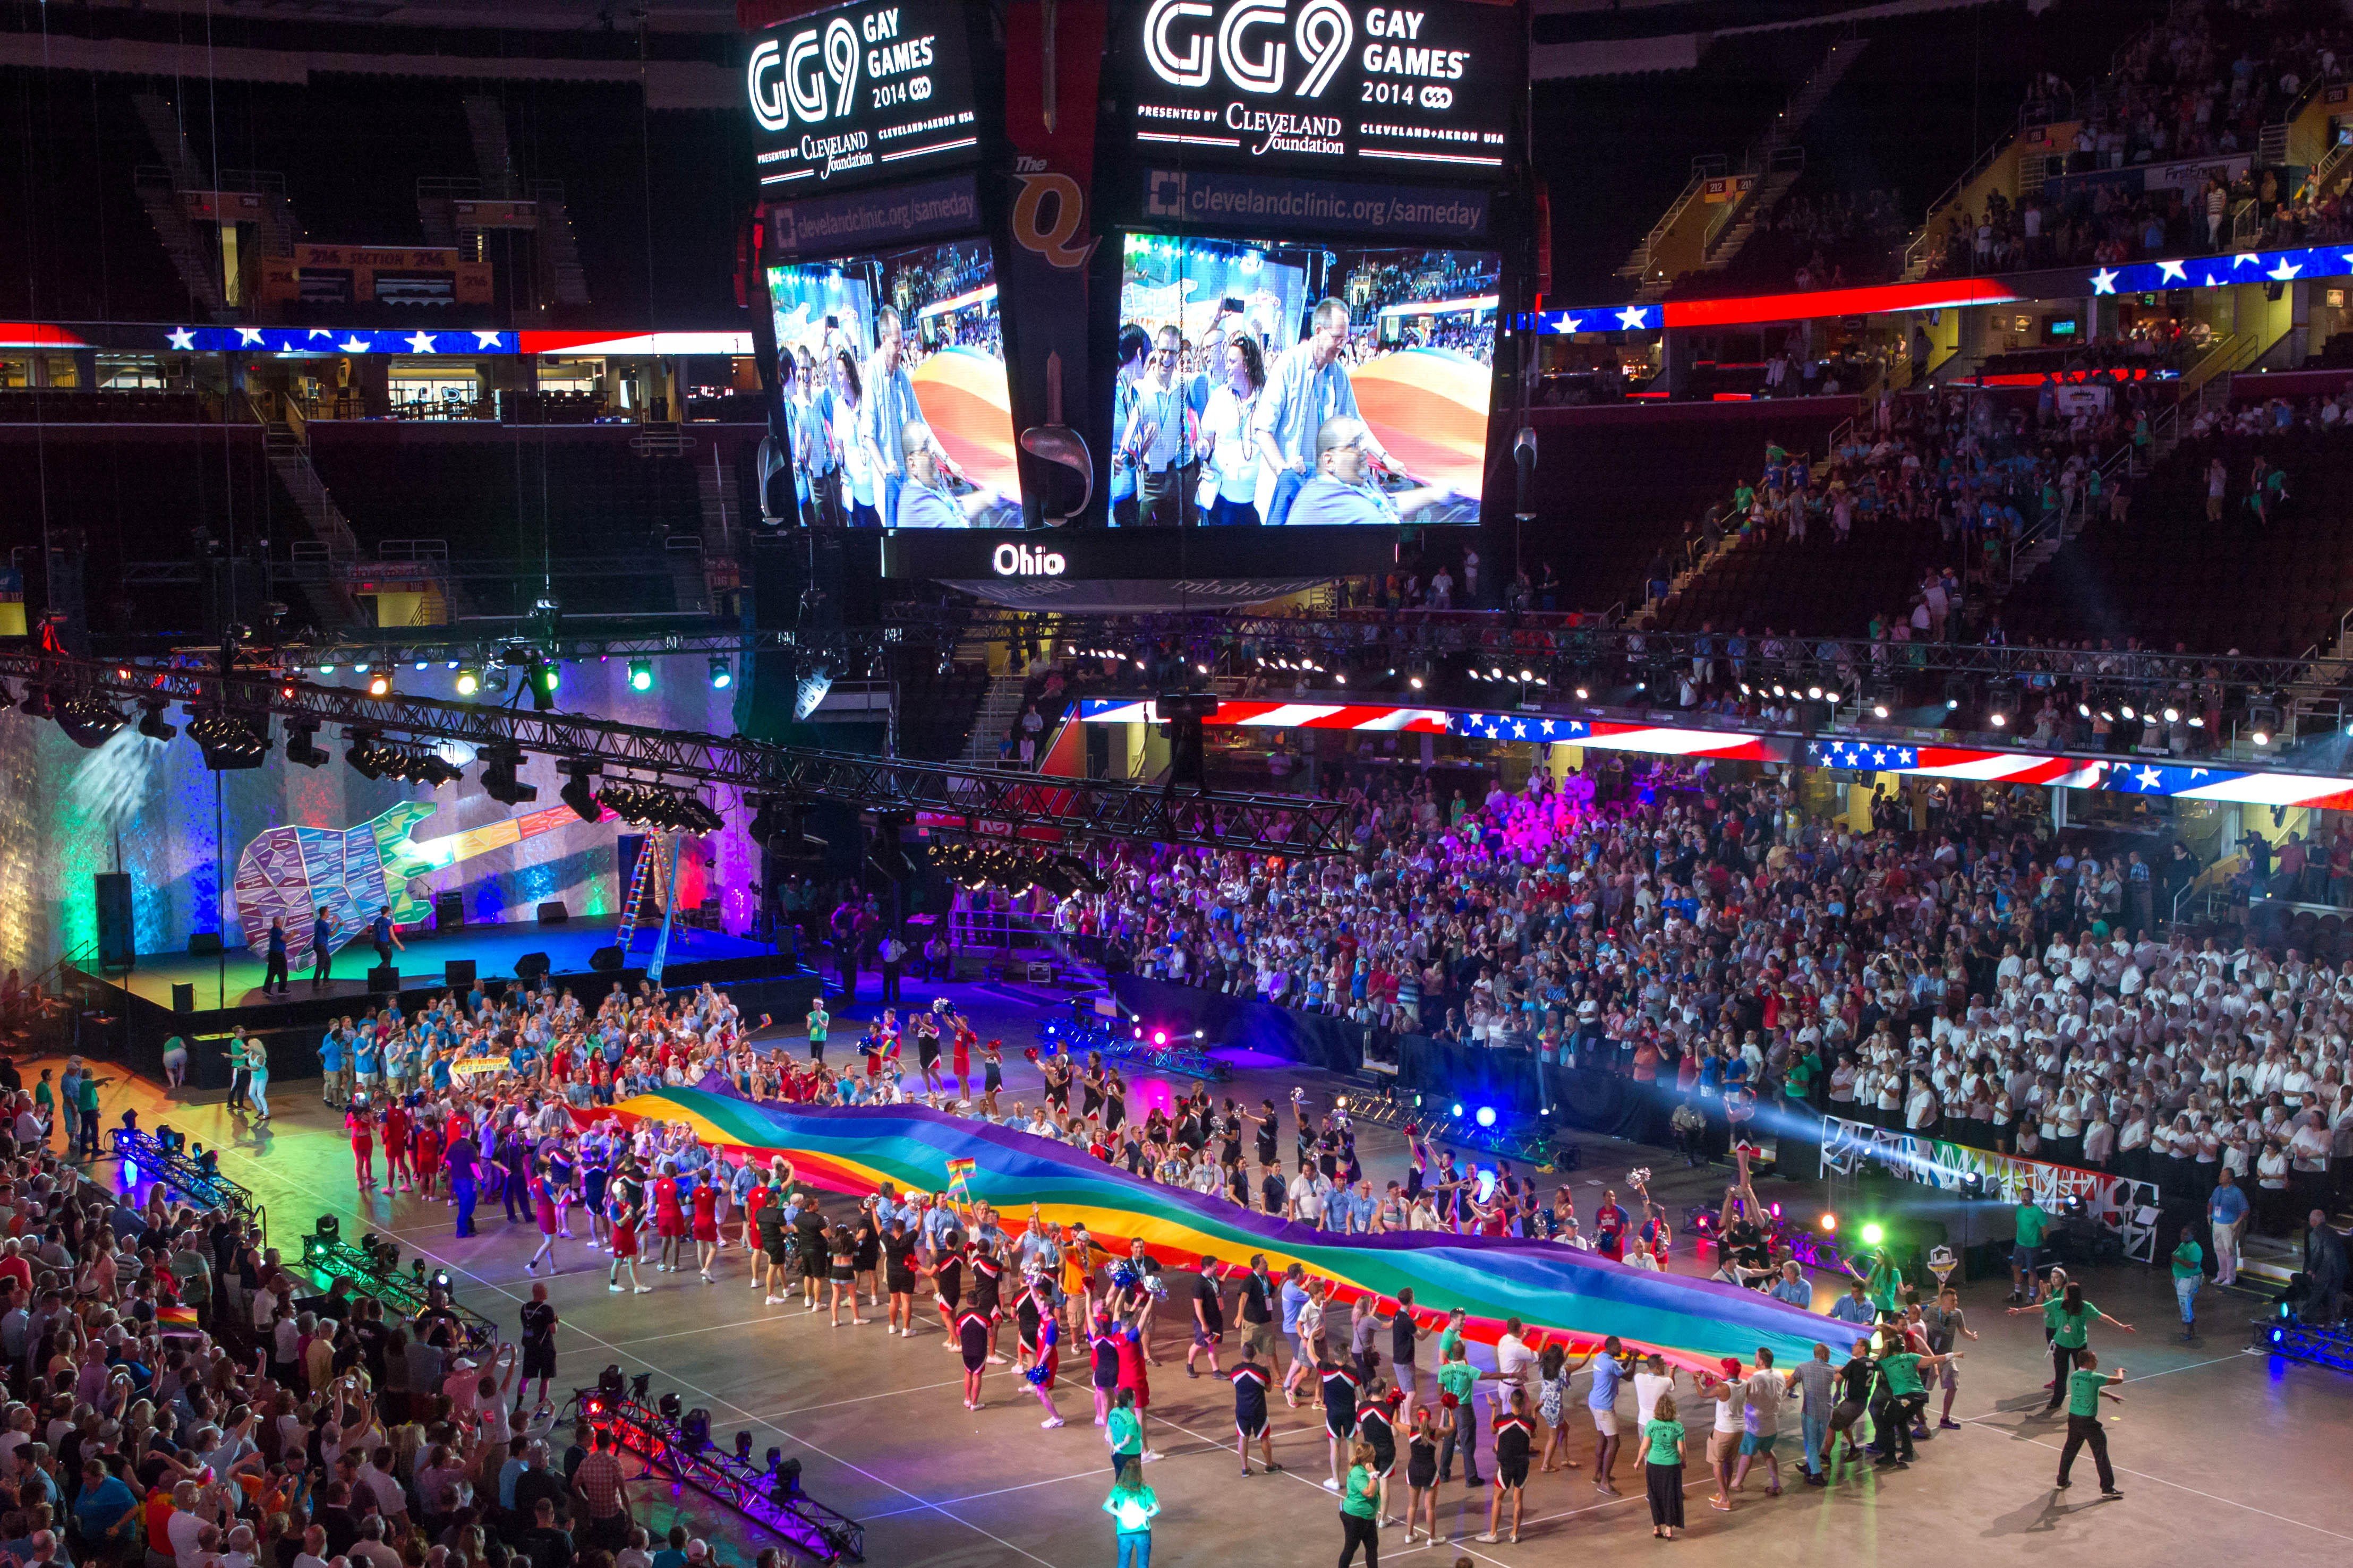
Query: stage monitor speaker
(605, 960)
(531, 966)
(204, 943)
(554, 914)
(448, 911)
(117, 946)
(457, 975)
(383, 977)
(184, 996)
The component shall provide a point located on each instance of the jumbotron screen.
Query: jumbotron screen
(1266, 384)
(936, 305)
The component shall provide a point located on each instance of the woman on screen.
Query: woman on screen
(1230, 482)
(848, 393)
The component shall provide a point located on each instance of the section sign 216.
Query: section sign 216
(861, 92)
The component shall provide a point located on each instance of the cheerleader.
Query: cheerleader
(626, 1196)
(595, 1172)
(870, 1254)
(901, 1270)
(396, 1146)
(927, 1051)
(1421, 1476)
(973, 1330)
(961, 1048)
(872, 1046)
(1250, 1380)
(542, 1205)
(1115, 1101)
(1340, 1384)
(669, 1218)
(1044, 1348)
(992, 1067)
(424, 1145)
(706, 1223)
(1374, 1425)
(563, 1183)
(1090, 1088)
(841, 1251)
(988, 1284)
(360, 1123)
(754, 1201)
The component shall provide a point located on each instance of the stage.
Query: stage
(225, 988)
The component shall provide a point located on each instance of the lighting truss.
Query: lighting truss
(985, 802)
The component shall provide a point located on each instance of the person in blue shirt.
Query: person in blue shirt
(2226, 1211)
(106, 1509)
(1793, 1286)
(385, 937)
(331, 1067)
(323, 950)
(273, 974)
(1601, 1402)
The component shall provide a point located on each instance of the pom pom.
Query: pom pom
(1036, 1376)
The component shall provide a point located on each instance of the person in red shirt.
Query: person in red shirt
(543, 1204)
(960, 1057)
(669, 1219)
(425, 1157)
(396, 1146)
(706, 1223)
(360, 1125)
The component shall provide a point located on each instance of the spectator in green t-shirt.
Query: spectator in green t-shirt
(2026, 1251)
(2086, 1386)
(1131, 1506)
(2189, 1273)
(2067, 1322)
(1903, 1397)
(1360, 1521)
(1663, 1468)
(1458, 1380)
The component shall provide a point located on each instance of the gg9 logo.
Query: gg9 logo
(1183, 55)
(808, 71)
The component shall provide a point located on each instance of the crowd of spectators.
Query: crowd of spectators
(1977, 979)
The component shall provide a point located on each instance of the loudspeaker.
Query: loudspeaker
(204, 943)
(183, 997)
(118, 947)
(532, 966)
(457, 975)
(384, 978)
(449, 910)
(605, 960)
(553, 914)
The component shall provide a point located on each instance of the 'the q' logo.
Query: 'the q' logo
(1069, 208)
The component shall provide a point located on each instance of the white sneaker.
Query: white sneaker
(775, 1301)
(614, 1288)
(644, 1289)
(1052, 1421)
(1330, 1485)
(1149, 1456)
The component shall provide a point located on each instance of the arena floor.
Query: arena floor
(2222, 1456)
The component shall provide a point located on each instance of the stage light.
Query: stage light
(1872, 1235)
(546, 675)
(230, 740)
(364, 755)
(1455, 1111)
(1486, 1117)
(1879, 710)
(468, 682)
(499, 764)
(2172, 715)
(326, 669)
(722, 675)
(641, 675)
(152, 723)
(1775, 1210)
(2261, 738)
(88, 721)
(424, 664)
(1159, 1037)
(1829, 1223)
(1414, 682)
(380, 684)
(298, 746)
(440, 1279)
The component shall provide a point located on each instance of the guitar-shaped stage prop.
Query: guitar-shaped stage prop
(291, 873)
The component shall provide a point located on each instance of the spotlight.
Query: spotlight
(641, 675)
(2172, 715)
(468, 681)
(152, 723)
(1455, 1111)
(1414, 682)
(545, 676)
(364, 755)
(1829, 1223)
(722, 675)
(298, 745)
(1879, 710)
(88, 721)
(1872, 1235)
(380, 684)
(230, 740)
(499, 764)
(1486, 1117)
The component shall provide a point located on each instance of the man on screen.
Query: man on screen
(890, 411)
(1158, 437)
(1308, 388)
(924, 500)
(1341, 494)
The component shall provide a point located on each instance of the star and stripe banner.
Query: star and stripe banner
(2165, 776)
(1372, 716)
(414, 341)
(1653, 740)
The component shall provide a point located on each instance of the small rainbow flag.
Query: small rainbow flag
(175, 1317)
(960, 1169)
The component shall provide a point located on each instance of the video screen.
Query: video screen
(1285, 385)
(887, 344)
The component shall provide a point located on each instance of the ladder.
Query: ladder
(650, 870)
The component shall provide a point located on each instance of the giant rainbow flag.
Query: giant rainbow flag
(1575, 1294)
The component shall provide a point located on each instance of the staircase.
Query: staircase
(998, 707)
(1774, 161)
(160, 188)
(486, 118)
(558, 246)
